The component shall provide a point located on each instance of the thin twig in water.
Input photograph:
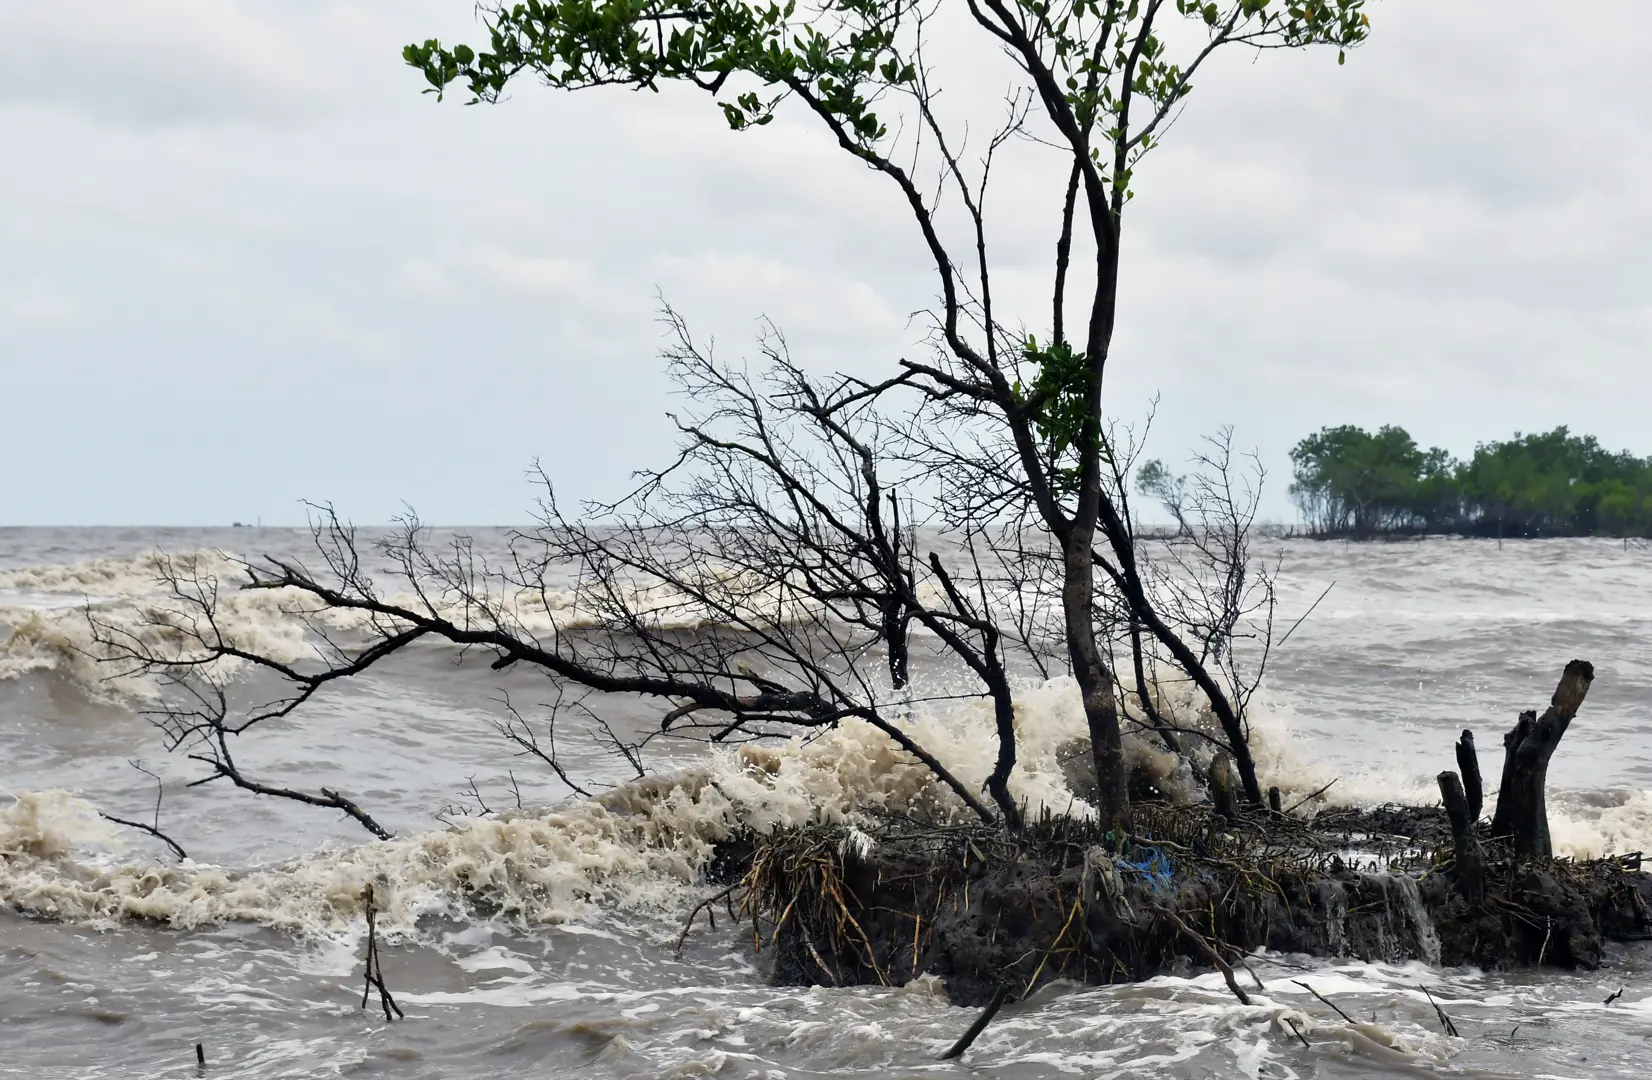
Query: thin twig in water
(1294, 1031)
(1324, 999)
(375, 966)
(1311, 796)
(153, 829)
(1209, 950)
(150, 829)
(1305, 615)
(706, 903)
(1445, 1021)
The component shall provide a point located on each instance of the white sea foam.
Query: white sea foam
(132, 603)
(50, 825)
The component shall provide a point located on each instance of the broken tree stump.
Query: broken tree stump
(1468, 765)
(1223, 799)
(1522, 813)
(1501, 820)
(1468, 861)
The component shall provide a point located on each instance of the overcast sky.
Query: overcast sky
(244, 262)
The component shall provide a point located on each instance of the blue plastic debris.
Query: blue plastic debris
(1156, 868)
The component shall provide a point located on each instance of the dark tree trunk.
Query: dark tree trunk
(1468, 869)
(1130, 586)
(1145, 697)
(998, 784)
(1097, 687)
(894, 637)
(1522, 813)
(1468, 763)
(894, 611)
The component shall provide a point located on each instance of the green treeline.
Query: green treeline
(1350, 482)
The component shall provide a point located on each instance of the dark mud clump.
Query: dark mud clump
(983, 910)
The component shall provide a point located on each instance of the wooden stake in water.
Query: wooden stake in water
(375, 968)
(980, 1024)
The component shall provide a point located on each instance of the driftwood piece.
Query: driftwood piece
(1204, 945)
(980, 1024)
(1522, 813)
(1468, 766)
(1346, 1018)
(1468, 870)
(1445, 1021)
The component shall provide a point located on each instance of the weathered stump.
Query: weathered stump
(1223, 798)
(1522, 812)
(1502, 819)
(1468, 764)
(1468, 861)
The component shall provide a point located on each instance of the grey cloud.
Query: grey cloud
(272, 258)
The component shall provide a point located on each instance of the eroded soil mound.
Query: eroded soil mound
(839, 905)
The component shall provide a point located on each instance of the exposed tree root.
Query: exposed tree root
(1067, 900)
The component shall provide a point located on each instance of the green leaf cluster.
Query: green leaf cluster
(571, 44)
(843, 56)
(1060, 404)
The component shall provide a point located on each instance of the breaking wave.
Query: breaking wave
(642, 847)
(51, 611)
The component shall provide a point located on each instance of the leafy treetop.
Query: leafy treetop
(1092, 62)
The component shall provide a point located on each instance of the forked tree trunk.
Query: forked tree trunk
(1522, 813)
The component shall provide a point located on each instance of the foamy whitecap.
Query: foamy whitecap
(636, 847)
(640, 847)
(63, 618)
(50, 824)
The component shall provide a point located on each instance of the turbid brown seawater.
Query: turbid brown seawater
(540, 943)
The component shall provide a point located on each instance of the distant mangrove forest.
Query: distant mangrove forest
(1350, 482)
